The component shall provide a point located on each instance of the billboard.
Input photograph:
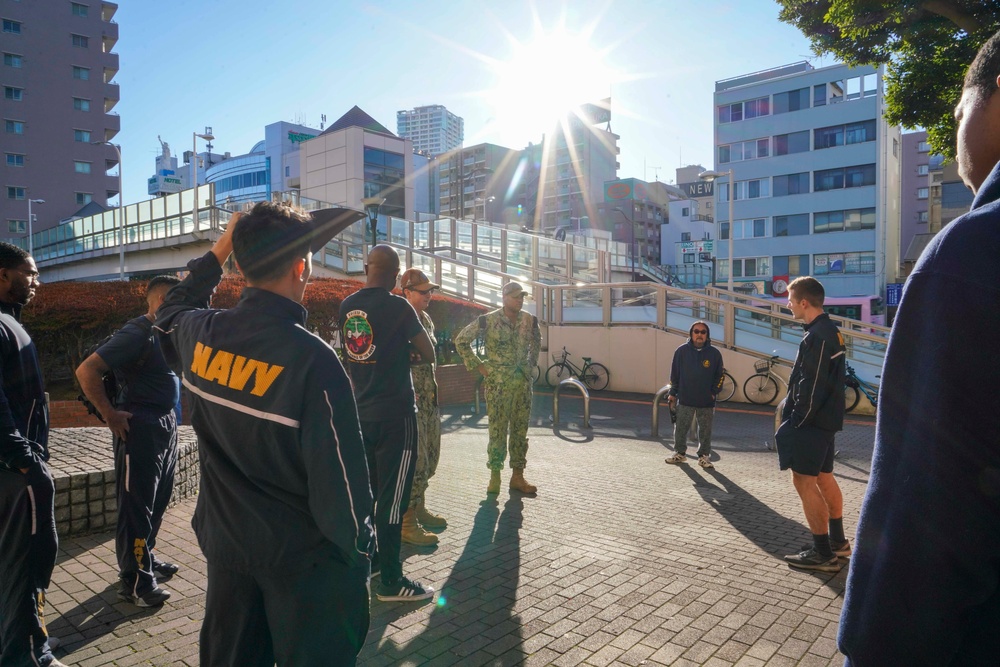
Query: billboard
(697, 189)
(598, 112)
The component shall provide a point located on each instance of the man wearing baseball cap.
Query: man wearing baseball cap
(283, 514)
(417, 288)
(511, 340)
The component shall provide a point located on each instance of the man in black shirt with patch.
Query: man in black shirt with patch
(144, 426)
(378, 329)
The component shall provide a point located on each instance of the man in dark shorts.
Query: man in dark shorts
(813, 413)
(144, 427)
(378, 329)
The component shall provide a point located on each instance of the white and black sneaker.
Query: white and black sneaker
(403, 590)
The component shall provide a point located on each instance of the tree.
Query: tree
(926, 46)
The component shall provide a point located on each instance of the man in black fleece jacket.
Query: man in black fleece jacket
(695, 380)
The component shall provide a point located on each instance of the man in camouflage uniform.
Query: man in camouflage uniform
(511, 341)
(417, 288)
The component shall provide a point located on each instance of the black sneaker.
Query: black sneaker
(810, 559)
(842, 550)
(153, 598)
(403, 590)
(164, 571)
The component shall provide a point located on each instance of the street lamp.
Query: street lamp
(30, 202)
(371, 206)
(121, 209)
(631, 245)
(475, 206)
(208, 136)
(712, 176)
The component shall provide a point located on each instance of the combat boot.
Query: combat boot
(494, 486)
(412, 533)
(519, 483)
(429, 519)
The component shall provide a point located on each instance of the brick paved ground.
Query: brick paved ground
(621, 559)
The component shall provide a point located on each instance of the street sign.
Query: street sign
(893, 293)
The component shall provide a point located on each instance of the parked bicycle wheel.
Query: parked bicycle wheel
(557, 373)
(728, 388)
(851, 397)
(535, 374)
(760, 389)
(597, 376)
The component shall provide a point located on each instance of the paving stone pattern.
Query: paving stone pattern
(621, 559)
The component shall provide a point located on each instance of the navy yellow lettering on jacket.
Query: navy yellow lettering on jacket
(233, 370)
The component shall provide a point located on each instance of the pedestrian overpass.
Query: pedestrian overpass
(576, 288)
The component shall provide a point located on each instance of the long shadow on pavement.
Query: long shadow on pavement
(756, 521)
(475, 608)
(94, 618)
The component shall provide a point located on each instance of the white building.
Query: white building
(433, 129)
(816, 171)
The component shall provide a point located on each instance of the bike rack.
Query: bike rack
(571, 382)
(656, 409)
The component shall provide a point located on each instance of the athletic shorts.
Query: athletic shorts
(807, 450)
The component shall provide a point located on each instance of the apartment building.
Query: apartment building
(433, 129)
(58, 96)
(475, 183)
(816, 173)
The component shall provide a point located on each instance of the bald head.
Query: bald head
(382, 267)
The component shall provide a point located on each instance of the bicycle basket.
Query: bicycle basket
(762, 365)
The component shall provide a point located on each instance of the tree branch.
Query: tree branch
(950, 11)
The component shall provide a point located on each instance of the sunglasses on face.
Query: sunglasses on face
(700, 332)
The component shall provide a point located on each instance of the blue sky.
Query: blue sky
(237, 66)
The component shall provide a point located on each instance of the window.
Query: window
(750, 229)
(796, 142)
(12, 26)
(923, 169)
(82, 136)
(13, 126)
(791, 184)
(922, 193)
(17, 226)
(751, 267)
(828, 137)
(81, 104)
(686, 211)
(793, 100)
(12, 93)
(846, 177)
(83, 198)
(852, 220)
(732, 113)
(844, 263)
(81, 41)
(859, 133)
(81, 73)
(922, 216)
(81, 167)
(754, 189)
(12, 60)
(15, 160)
(792, 266)
(923, 147)
(78, 9)
(744, 150)
(688, 257)
(15, 192)
(685, 237)
(791, 225)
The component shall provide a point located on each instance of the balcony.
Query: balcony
(109, 36)
(110, 66)
(112, 126)
(702, 217)
(108, 10)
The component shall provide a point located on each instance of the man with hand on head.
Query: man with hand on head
(283, 512)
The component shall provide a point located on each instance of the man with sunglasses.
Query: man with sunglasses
(417, 288)
(695, 381)
(28, 541)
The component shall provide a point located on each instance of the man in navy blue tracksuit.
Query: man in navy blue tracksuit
(144, 426)
(28, 541)
(283, 512)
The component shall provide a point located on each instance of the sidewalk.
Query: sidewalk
(621, 559)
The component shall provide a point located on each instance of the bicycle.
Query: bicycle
(594, 375)
(728, 387)
(762, 387)
(854, 387)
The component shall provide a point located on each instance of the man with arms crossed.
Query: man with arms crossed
(283, 508)
(378, 329)
(924, 585)
(417, 288)
(144, 427)
(813, 413)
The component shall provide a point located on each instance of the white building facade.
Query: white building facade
(433, 129)
(816, 171)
